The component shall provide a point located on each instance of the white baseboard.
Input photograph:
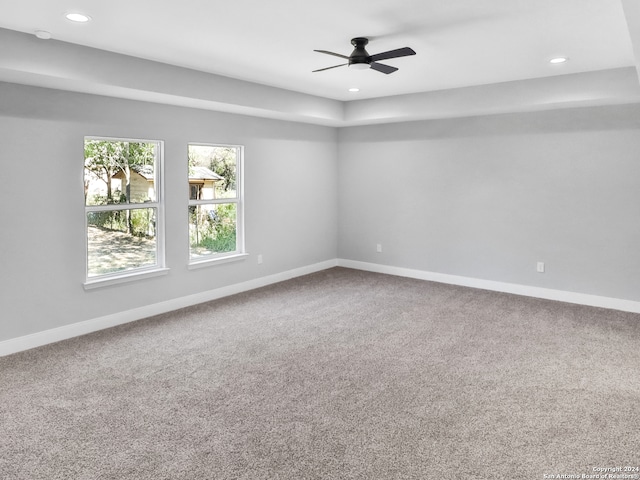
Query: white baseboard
(525, 290)
(39, 339)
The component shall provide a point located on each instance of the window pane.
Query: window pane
(214, 170)
(120, 240)
(212, 229)
(119, 172)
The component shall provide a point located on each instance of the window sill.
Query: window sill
(124, 278)
(209, 262)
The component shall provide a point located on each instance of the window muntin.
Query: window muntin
(123, 209)
(215, 205)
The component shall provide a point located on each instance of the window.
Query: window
(123, 207)
(215, 202)
(195, 191)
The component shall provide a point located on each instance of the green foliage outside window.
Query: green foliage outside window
(213, 230)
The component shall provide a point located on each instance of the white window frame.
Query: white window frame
(239, 253)
(140, 272)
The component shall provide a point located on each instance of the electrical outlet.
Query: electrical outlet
(379, 247)
(260, 259)
(540, 267)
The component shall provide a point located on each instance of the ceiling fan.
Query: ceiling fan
(361, 59)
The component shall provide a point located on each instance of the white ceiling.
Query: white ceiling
(459, 43)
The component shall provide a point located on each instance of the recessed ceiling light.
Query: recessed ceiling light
(558, 60)
(43, 34)
(354, 89)
(78, 17)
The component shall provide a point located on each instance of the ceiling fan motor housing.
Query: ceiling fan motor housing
(359, 56)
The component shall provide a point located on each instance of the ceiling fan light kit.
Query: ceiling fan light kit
(361, 60)
(360, 66)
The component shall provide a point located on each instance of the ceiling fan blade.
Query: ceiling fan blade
(400, 52)
(331, 53)
(380, 67)
(328, 68)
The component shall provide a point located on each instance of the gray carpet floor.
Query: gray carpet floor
(337, 375)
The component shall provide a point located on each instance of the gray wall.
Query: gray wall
(488, 197)
(291, 201)
(484, 197)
